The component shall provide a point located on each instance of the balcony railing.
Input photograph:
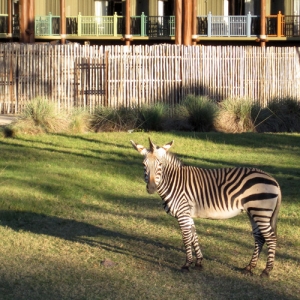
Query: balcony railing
(280, 25)
(291, 26)
(3, 23)
(152, 26)
(159, 26)
(243, 26)
(147, 26)
(47, 25)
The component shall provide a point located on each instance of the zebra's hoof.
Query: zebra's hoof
(265, 274)
(185, 269)
(247, 271)
(198, 267)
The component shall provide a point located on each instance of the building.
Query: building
(150, 21)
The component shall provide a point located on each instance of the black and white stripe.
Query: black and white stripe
(190, 192)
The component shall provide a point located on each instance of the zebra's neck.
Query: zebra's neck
(170, 165)
(171, 161)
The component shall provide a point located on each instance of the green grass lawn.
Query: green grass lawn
(76, 221)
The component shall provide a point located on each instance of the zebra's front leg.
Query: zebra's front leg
(190, 240)
(199, 256)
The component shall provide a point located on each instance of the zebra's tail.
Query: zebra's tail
(275, 213)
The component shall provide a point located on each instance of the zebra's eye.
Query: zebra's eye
(145, 168)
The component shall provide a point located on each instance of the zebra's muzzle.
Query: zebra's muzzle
(151, 188)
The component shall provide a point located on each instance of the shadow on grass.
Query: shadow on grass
(99, 236)
(81, 232)
(212, 281)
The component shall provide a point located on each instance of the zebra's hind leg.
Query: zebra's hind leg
(259, 242)
(263, 233)
(271, 241)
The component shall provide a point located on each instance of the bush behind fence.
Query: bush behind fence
(73, 75)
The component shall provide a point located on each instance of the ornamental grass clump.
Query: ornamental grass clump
(178, 119)
(280, 115)
(235, 116)
(114, 119)
(40, 116)
(79, 121)
(202, 112)
(152, 117)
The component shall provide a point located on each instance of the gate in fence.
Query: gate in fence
(90, 83)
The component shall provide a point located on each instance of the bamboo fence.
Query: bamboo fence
(73, 75)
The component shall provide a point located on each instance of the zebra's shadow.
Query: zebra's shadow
(81, 232)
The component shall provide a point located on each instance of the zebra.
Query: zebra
(189, 192)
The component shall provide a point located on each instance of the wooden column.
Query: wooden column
(23, 21)
(194, 22)
(26, 21)
(9, 19)
(128, 35)
(263, 36)
(178, 22)
(30, 24)
(63, 28)
(187, 22)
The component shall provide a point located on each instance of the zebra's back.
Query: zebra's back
(224, 193)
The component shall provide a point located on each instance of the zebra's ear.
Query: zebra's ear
(168, 146)
(139, 148)
(152, 145)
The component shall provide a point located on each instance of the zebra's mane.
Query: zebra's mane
(172, 159)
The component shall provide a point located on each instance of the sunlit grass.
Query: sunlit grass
(68, 203)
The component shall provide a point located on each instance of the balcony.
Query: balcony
(209, 26)
(228, 26)
(106, 26)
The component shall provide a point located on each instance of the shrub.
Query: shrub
(153, 117)
(280, 115)
(79, 121)
(7, 131)
(235, 115)
(201, 112)
(178, 119)
(40, 116)
(110, 119)
(39, 110)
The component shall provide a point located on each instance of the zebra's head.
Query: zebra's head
(152, 163)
